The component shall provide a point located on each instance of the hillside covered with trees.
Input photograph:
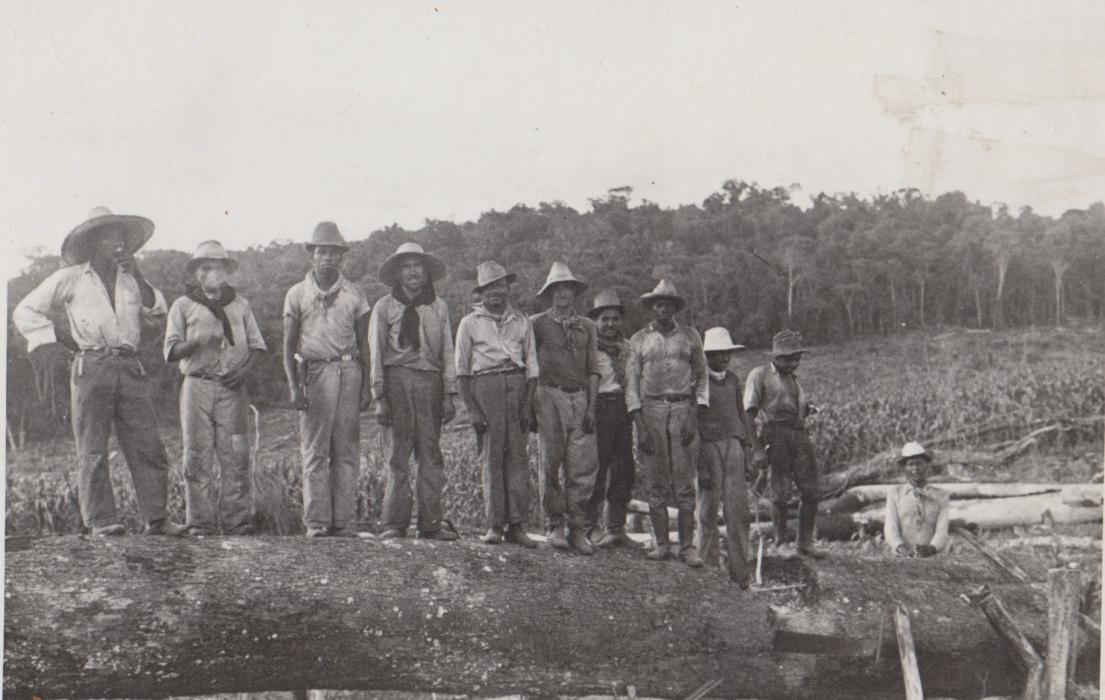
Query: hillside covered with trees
(747, 258)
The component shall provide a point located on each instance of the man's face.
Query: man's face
(664, 309)
(609, 323)
(916, 471)
(786, 364)
(110, 243)
(494, 295)
(325, 259)
(412, 274)
(212, 274)
(719, 360)
(563, 296)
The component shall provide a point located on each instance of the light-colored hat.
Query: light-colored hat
(913, 449)
(389, 271)
(76, 248)
(664, 290)
(326, 233)
(560, 274)
(211, 250)
(488, 272)
(717, 340)
(787, 343)
(606, 299)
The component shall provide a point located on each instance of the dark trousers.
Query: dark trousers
(415, 398)
(614, 481)
(791, 463)
(504, 459)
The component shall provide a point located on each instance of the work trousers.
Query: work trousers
(721, 465)
(615, 475)
(668, 474)
(414, 398)
(214, 420)
(791, 464)
(569, 456)
(111, 390)
(330, 438)
(505, 464)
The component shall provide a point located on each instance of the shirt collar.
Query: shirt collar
(340, 283)
(777, 373)
(508, 312)
(676, 327)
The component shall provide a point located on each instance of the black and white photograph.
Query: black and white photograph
(623, 350)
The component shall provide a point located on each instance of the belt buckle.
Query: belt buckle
(346, 358)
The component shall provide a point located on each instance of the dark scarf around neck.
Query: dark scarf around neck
(611, 348)
(216, 306)
(409, 336)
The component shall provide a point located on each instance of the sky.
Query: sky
(251, 121)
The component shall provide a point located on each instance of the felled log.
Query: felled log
(1064, 591)
(911, 674)
(1020, 649)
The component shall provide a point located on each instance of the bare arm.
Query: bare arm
(290, 346)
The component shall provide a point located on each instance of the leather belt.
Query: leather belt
(612, 396)
(786, 423)
(562, 387)
(339, 358)
(671, 398)
(205, 376)
(505, 369)
(115, 352)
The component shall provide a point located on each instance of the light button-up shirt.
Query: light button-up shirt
(435, 336)
(916, 516)
(327, 318)
(776, 397)
(486, 343)
(189, 319)
(663, 364)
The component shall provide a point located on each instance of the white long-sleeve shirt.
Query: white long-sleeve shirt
(93, 321)
(916, 516)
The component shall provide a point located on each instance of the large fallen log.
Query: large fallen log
(149, 616)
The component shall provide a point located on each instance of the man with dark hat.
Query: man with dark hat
(773, 394)
(212, 333)
(325, 358)
(665, 376)
(108, 302)
(613, 429)
(567, 355)
(413, 382)
(497, 373)
(917, 514)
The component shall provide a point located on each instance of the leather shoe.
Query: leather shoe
(811, 551)
(392, 533)
(614, 539)
(113, 530)
(557, 538)
(659, 553)
(165, 527)
(580, 543)
(516, 534)
(690, 557)
(313, 532)
(442, 535)
(494, 535)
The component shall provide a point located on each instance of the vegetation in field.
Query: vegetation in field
(875, 394)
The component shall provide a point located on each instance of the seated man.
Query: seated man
(916, 523)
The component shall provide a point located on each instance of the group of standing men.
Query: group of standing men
(571, 378)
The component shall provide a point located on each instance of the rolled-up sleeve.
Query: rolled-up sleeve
(529, 350)
(377, 341)
(448, 367)
(698, 369)
(254, 339)
(940, 537)
(633, 376)
(463, 350)
(752, 395)
(153, 315)
(31, 316)
(891, 529)
(291, 304)
(176, 327)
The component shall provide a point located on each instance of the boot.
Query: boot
(779, 523)
(166, 527)
(687, 551)
(516, 534)
(113, 530)
(494, 535)
(579, 541)
(807, 518)
(659, 518)
(614, 538)
(557, 538)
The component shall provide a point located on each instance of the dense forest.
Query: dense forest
(747, 258)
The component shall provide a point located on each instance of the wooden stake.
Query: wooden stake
(1024, 655)
(1064, 590)
(911, 674)
(760, 561)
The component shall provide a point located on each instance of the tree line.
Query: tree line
(747, 257)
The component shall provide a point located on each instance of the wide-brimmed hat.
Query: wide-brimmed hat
(326, 233)
(560, 274)
(913, 449)
(488, 272)
(717, 340)
(389, 271)
(606, 299)
(77, 249)
(664, 290)
(211, 250)
(787, 343)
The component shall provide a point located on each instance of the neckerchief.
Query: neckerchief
(327, 297)
(216, 306)
(613, 349)
(409, 337)
(717, 376)
(919, 499)
(567, 324)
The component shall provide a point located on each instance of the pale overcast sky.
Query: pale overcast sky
(251, 121)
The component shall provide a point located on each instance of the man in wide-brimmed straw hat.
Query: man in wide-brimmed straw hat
(413, 382)
(773, 395)
(727, 436)
(917, 514)
(214, 336)
(108, 302)
(567, 355)
(326, 361)
(497, 372)
(613, 429)
(666, 379)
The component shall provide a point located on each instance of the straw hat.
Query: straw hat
(77, 247)
(664, 290)
(488, 272)
(606, 299)
(913, 449)
(560, 274)
(326, 233)
(211, 250)
(717, 340)
(389, 271)
(787, 343)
